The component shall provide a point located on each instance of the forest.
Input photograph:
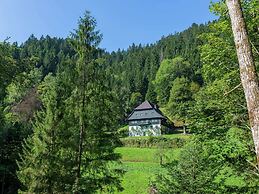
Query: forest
(64, 104)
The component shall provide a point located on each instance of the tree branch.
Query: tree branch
(226, 93)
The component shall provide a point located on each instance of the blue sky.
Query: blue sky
(122, 22)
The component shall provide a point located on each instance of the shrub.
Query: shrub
(153, 142)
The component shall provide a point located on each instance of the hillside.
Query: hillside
(64, 104)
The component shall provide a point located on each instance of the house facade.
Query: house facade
(146, 120)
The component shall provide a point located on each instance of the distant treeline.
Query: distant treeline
(62, 101)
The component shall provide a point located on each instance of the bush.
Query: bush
(123, 131)
(153, 142)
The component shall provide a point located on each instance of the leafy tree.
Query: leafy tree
(218, 117)
(12, 131)
(21, 84)
(11, 137)
(168, 71)
(180, 100)
(221, 103)
(211, 166)
(188, 175)
(8, 66)
(151, 95)
(135, 99)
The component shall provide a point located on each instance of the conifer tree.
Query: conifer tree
(94, 114)
(72, 147)
(39, 169)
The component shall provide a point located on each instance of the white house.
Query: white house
(145, 120)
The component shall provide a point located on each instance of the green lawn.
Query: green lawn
(141, 165)
(130, 154)
(138, 175)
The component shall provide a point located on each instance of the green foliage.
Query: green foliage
(123, 131)
(151, 95)
(39, 170)
(74, 139)
(212, 166)
(216, 110)
(181, 99)
(218, 54)
(21, 84)
(187, 175)
(93, 118)
(12, 132)
(94, 89)
(11, 137)
(8, 66)
(134, 70)
(168, 71)
(171, 141)
(135, 99)
(219, 159)
(48, 52)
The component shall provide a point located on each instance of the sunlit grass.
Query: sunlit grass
(141, 165)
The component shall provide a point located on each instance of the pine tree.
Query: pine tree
(94, 115)
(72, 147)
(39, 169)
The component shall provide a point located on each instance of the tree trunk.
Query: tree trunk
(161, 160)
(3, 181)
(79, 157)
(81, 133)
(248, 74)
(184, 128)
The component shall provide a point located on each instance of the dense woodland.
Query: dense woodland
(62, 101)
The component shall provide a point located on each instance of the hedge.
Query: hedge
(153, 142)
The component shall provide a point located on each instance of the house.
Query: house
(145, 120)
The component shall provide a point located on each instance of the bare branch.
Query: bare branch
(226, 93)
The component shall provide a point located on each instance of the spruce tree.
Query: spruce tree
(94, 115)
(72, 147)
(39, 168)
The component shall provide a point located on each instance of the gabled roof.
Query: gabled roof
(146, 110)
(144, 105)
(145, 114)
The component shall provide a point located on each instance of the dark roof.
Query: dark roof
(145, 114)
(144, 105)
(146, 110)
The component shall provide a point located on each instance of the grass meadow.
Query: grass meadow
(141, 165)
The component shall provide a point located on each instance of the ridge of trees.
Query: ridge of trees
(84, 90)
